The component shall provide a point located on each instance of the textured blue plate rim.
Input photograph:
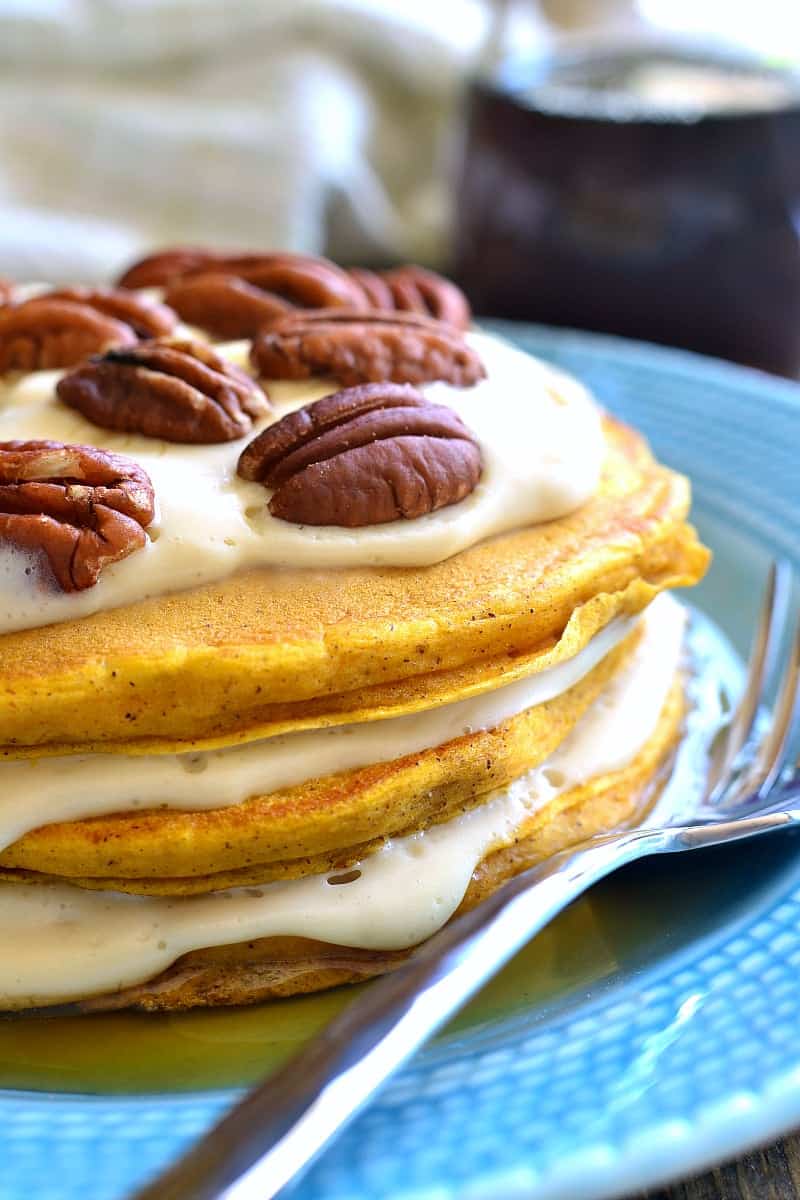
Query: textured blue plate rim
(663, 1151)
(687, 363)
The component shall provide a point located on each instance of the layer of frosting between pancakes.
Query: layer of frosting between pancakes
(323, 821)
(67, 942)
(42, 791)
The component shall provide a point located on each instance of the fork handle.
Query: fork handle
(281, 1126)
(276, 1131)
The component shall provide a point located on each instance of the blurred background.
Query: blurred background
(379, 131)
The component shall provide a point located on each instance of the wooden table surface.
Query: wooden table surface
(769, 1174)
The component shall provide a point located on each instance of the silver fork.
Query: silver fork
(275, 1132)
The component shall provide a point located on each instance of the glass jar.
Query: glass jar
(650, 190)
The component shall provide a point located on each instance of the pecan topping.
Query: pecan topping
(44, 333)
(364, 456)
(290, 281)
(365, 347)
(414, 289)
(375, 288)
(178, 391)
(246, 292)
(158, 269)
(78, 507)
(303, 281)
(223, 305)
(63, 327)
(146, 318)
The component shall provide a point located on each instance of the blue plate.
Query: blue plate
(667, 1035)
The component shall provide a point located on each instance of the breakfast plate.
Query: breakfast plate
(647, 1033)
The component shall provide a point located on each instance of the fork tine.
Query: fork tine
(773, 751)
(767, 638)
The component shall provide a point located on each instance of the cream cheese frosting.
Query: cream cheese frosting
(539, 431)
(58, 942)
(36, 792)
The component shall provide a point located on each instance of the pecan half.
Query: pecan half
(223, 305)
(414, 289)
(297, 280)
(179, 391)
(78, 507)
(365, 347)
(364, 456)
(249, 291)
(158, 269)
(301, 280)
(375, 288)
(44, 333)
(146, 317)
(63, 327)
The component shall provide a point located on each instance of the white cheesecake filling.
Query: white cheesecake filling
(58, 942)
(539, 431)
(36, 792)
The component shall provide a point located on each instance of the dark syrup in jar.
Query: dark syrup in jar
(653, 193)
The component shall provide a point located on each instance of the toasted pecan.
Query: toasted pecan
(300, 279)
(303, 279)
(156, 270)
(364, 456)
(415, 289)
(147, 318)
(355, 347)
(375, 288)
(246, 292)
(224, 305)
(45, 333)
(180, 391)
(77, 507)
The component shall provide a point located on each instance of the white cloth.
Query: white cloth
(299, 124)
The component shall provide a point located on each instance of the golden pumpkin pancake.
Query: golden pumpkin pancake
(295, 933)
(312, 827)
(266, 968)
(269, 651)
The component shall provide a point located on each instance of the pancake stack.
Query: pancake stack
(321, 615)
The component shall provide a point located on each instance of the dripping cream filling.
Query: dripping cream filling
(58, 942)
(540, 435)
